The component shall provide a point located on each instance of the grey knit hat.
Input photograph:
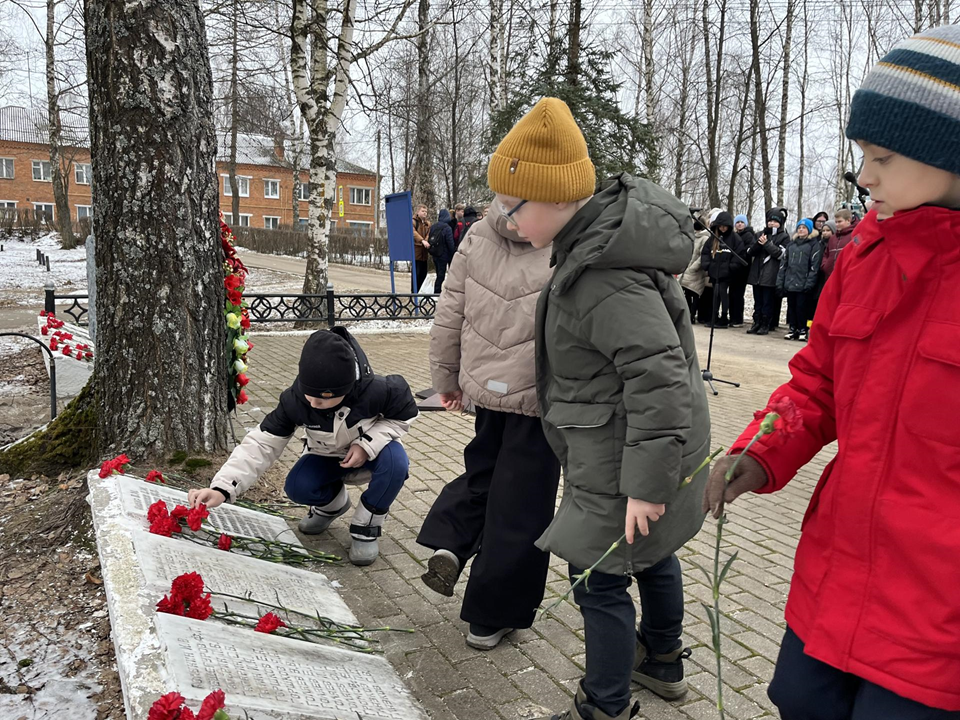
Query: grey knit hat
(910, 100)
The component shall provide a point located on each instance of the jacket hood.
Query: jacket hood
(469, 213)
(629, 223)
(500, 224)
(444, 216)
(723, 218)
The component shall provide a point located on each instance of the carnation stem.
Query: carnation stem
(729, 476)
(709, 459)
(582, 578)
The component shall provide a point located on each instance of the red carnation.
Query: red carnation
(196, 516)
(186, 714)
(242, 380)
(224, 542)
(179, 512)
(233, 282)
(199, 609)
(242, 397)
(268, 623)
(781, 416)
(245, 321)
(155, 476)
(53, 344)
(44, 330)
(235, 297)
(188, 586)
(213, 702)
(43, 313)
(157, 510)
(66, 350)
(171, 606)
(88, 355)
(167, 707)
(165, 526)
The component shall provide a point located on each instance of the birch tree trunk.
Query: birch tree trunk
(573, 36)
(760, 103)
(803, 110)
(738, 145)
(160, 379)
(682, 117)
(55, 135)
(784, 104)
(494, 70)
(714, 95)
(234, 101)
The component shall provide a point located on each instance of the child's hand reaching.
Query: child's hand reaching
(452, 402)
(208, 496)
(638, 515)
(748, 476)
(356, 457)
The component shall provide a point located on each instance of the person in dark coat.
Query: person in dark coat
(738, 279)
(470, 216)
(441, 247)
(721, 256)
(845, 223)
(765, 266)
(797, 278)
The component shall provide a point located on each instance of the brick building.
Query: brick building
(265, 180)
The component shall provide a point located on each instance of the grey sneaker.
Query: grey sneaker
(663, 674)
(486, 638)
(443, 571)
(317, 521)
(581, 709)
(364, 552)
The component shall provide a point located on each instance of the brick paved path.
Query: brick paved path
(536, 670)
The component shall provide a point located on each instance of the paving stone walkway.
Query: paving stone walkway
(536, 670)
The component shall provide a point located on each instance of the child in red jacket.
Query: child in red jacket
(873, 614)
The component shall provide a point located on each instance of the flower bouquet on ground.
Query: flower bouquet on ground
(172, 706)
(189, 524)
(187, 599)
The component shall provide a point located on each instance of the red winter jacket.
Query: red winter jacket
(876, 584)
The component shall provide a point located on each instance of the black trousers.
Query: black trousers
(692, 301)
(807, 689)
(797, 310)
(441, 265)
(705, 306)
(422, 269)
(721, 300)
(494, 513)
(610, 626)
(738, 290)
(763, 305)
(777, 308)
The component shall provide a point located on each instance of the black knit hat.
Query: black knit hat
(778, 214)
(328, 366)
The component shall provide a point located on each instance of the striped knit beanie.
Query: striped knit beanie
(910, 101)
(544, 158)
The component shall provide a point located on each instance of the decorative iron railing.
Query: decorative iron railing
(329, 308)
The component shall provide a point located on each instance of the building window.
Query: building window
(6, 168)
(303, 222)
(245, 220)
(41, 170)
(8, 204)
(84, 212)
(270, 222)
(243, 183)
(271, 189)
(43, 211)
(83, 174)
(359, 224)
(360, 196)
(304, 191)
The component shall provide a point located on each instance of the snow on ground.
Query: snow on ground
(19, 269)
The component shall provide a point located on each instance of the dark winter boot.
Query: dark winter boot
(764, 330)
(792, 335)
(754, 328)
(663, 674)
(582, 709)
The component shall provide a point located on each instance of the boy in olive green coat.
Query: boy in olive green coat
(621, 395)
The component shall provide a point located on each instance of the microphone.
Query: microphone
(852, 179)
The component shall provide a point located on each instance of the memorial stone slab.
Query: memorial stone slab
(287, 677)
(265, 677)
(162, 559)
(137, 497)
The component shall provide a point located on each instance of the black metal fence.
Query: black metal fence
(329, 308)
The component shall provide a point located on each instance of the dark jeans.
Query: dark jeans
(807, 689)
(777, 308)
(422, 270)
(610, 629)
(763, 305)
(705, 306)
(692, 301)
(738, 290)
(441, 265)
(797, 310)
(721, 301)
(496, 511)
(317, 480)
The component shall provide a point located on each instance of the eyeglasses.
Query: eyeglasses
(508, 214)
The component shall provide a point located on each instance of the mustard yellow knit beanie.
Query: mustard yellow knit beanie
(543, 158)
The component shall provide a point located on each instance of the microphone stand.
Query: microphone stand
(708, 377)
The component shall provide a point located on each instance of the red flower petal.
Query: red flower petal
(179, 512)
(242, 380)
(242, 397)
(167, 707)
(172, 606)
(155, 476)
(224, 542)
(213, 702)
(196, 516)
(157, 510)
(188, 587)
(199, 609)
(268, 623)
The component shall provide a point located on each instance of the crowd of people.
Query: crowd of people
(730, 255)
(440, 240)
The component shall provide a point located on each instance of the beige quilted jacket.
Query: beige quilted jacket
(482, 340)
